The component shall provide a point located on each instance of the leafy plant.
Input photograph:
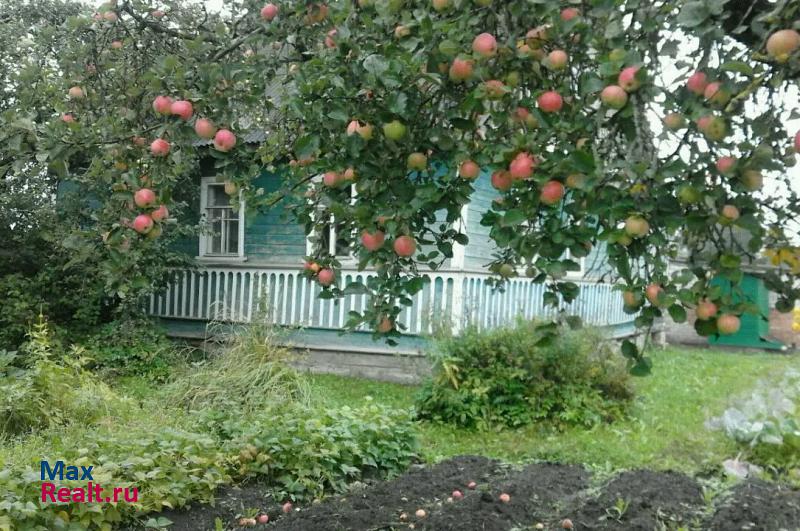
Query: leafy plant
(767, 423)
(510, 377)
(45, 390)
(133, 347)
(338, 446)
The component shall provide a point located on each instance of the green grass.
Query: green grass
(664, 429)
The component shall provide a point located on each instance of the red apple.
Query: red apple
(262, 519)
(730, 212)
(552, 192)
(502, 180)
(159, 147)
(706, 310)
(421, 513)
(224, 140)
(330, 41)
(550, 101)
(182, 108)
(331, 179)
(631, 299)
(76, 93)
(725, 165)
(636, 226)
(205, 128)
(67, 118)
(557, 60)
(505, 498)
(566, 523)
(460, 70)
(287, 507)
(522, 166)
(385, 326)
(457, 494)
(139, 141)
(782, 44)
(352, 127)
(142, 224)
(494, 89)
(404, 246)
(144, 197)
(116, 44)
(569, 13)
(417, 161)
(614, 96)
(797, 142)
(349, 174)
(674, 121)
(157, 13)
(472, 485)
(469, 170)
(652, 291)
(485, 45)
(402, 31)
(713, 127)
(326, 277)
(628, 79)
(162, 104)
(269, 12)
(697, 83)
(373, 241)
(716, 94)
(160, 214)
(728, 324)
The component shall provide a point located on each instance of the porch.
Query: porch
(450, 300)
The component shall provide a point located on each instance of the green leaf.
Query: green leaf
(514, 217)
(678, 313)
(629, 349)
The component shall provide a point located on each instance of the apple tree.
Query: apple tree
(654, 129)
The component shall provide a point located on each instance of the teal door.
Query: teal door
(754, 332)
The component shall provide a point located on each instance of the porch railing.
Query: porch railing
(283, 296)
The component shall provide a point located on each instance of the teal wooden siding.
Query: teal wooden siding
(273, 237)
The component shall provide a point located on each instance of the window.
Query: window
(333, 236)
(581, 262)
(225, 236)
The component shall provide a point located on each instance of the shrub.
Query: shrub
(133, 347)
(766, 424)
(251, 373)
(41, 389)
(507, 377)
(301, 455)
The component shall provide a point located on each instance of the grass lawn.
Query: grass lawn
(664, 430)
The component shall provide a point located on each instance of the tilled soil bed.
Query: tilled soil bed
(541, 496)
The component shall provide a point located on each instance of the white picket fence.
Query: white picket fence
(450, 298)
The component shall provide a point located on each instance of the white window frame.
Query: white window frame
(581, 261)
(204, 253)
(349, 258)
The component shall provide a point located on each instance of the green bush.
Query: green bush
(42, 389)
(506, 377)
(133, 347)
(302, 455)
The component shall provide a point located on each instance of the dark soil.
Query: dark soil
(541, 496)
(759, 505)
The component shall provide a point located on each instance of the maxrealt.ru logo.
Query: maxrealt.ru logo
(91, 493)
